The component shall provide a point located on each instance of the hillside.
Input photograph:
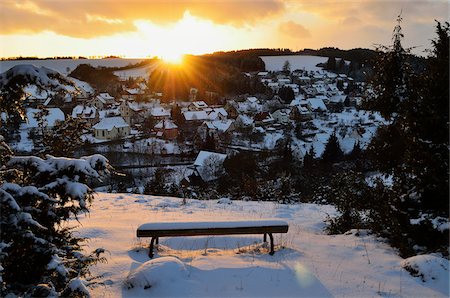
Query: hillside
(39, 83)
(308, 263)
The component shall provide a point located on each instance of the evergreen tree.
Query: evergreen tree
(331, 63)
(309, 159)
(64, 137)
(333, 152)
(413, 148)
(39, 253)
(286, 94)
(177, 116)
(287, 67)
(157, 185)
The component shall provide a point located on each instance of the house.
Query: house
(215, 128)
(194, 116)
(167, 129)
(197, 106)
(243, 121)
(281, 116)
(132, 93)
(103, 100)
(263, 118)
(274, 86)
(231, 108)
(87, 113)
(111, 128)
(133, 112)
(316, 105)
(160, 113)
(300, 113)
(209, 165)
(217, 114)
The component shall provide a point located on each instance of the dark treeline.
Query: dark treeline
(213, 75)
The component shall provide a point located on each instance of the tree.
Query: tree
(157, 185)
(64, 137)
(287, 67)
(333, 151)
(39, 253)
(331, 63)
(286, 94)
(413, 148)
(177, 116)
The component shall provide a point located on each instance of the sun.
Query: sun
(172, 57)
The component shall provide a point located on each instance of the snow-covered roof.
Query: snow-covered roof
(54, 114)
(160, 112)
(106, 96)
(214, 113)
(133, 91)
(252, 99)
(166, 124)
(203, 155)
(200, 104)
(220, 125)
(337, 98)
(84, 112)
(209, 165)
(195, 115)
(245, 120)
(317, 104)
(110, 122)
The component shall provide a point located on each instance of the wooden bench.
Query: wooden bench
(176, 229)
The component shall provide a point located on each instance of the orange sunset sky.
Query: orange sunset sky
(139, 28)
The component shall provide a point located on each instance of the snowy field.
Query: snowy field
(307, 263)
(65, 66)
(275, 63)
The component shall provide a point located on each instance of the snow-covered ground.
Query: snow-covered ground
(138, 72)
(65, 66)
(275, 63)
(307, 262)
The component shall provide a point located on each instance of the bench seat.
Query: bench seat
(204, 228)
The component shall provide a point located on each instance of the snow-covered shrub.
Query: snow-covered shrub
(38, 251)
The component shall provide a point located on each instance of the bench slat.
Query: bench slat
(212, 231)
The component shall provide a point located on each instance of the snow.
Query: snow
(110, 122)
(275, 63)
(160, 112)
(220, 125)
(430, 269)
(138, 72)
(175, 225)
(54, 115)
(306, 263)
(317, 104)
(155, 273)
(166, 124)
(195, 115)
(204, 155)
(65, 66)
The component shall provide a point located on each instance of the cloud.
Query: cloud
(294, 30)
(84, 18)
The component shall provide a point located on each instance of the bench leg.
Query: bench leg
(265, 237)
(272, 251)
(157, 241)
(150, 250)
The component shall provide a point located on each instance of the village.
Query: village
(139, 132)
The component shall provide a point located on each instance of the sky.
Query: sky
(169, 28)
